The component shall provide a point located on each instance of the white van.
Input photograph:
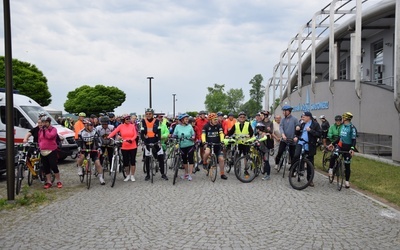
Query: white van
(26, 113)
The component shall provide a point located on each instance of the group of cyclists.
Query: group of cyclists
(94, 136)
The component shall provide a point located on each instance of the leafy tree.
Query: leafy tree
(28, 80)
(276, 104)
(94, 100)
(216, 98)
(192, 113)
(234, 100)
(251, 108)
(257, 90)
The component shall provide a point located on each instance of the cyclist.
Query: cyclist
(184, 131)
(242, 128)
(151, 133)
(200, 122)
(34, 132)
(212, 133)
(113, 120)
(334, 129)
(277, 133)
(47, 138)
(309, 131)
(78, 126)
(229, 123)
(88, 138)
(255, 121)
(265, 146)
(324, 127)
(345, 142)
(165, 133)
(103, 131)
(287, 128)
(127, 131)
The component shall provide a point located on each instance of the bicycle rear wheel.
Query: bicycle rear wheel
(229, 159)
(284, 165)
(298, 178)
(213, 170)
(30, 177)
(281, 161)
(88, 169)
(176, 168)
(245, 169)
(19, 177)
(113, 169)
(106, 164)
(326, 158)
(339, 175)
(152, 169)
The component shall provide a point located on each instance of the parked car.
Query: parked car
(3, 167)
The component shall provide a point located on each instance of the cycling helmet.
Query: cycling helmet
(149, 110)
(220, 113)
(41, 114)
(82, 114)
(322, 117)
(180, 117)
(242, 113)
(230, 114)
(202, 112)
(212, 116)
(126, 117)
(111, 115)
(287, 107)
(45, 118)
(93, 116)
(260, 126)
(338, 118)
(347, 116)
(104, 120)
(87, 121)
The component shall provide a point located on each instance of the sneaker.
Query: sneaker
(47, 185)
(147, 178)
(184, 176)
(330, 172)
(133, 178)
(102, 182)
(347, 184)
(80, 171)
(164, 177)
(276, 167)
(59, 184)
(267, 177)
(224, 177)
(189, 178)
(128, 177)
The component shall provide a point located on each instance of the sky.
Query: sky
(186, 45)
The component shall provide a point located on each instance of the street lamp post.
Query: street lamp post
(150, 77)
(173, 102)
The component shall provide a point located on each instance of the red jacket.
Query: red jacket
(199, 127)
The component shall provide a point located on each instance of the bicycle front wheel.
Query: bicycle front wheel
(152, 163)
(339, 175)
(326, 158)
(298, 177)
(88, 169)
(19, 177)
(284, 165)
(30, 177)
(213, 171)
(113, 170)
(245, 169)
(176, 168)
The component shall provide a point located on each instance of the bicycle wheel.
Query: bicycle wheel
(245, 169)
(19, 176)
(152, 163)
(30, 178)
(339, 175)
(106, 164)
(281, 162)
(326, 158)
(298, 178)
(284, 165)
(113, 169)
(229, 160)
(53, 176)
(213, 171)
(82, 177)
(259, 165)
(88, 169)
(176, 169)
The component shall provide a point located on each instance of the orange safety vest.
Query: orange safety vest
(150, 126)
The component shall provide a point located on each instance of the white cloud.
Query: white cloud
(186, 46)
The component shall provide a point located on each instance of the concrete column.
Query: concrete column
(332, 45)
(357, 48)
(396, 83)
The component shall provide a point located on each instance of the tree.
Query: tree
(234, 100)
(276, 104)
(28, 80)
(216, 98)
(251, 108)
(94, 100)
(257, 90)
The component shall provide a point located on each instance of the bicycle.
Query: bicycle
(248, 167)
(297, 177)
(232, 153)
(178, 158)
(34, 165)
(338, 169)
(153, 161)
(212, 166)
(116, 162)
(284, 161)
(87, 166)
(326, 158)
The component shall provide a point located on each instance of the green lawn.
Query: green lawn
(373, 176)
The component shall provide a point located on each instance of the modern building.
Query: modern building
(346, 58)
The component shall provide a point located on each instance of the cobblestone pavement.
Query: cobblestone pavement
(201, 215)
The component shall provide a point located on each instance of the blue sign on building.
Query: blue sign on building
(308, 106)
